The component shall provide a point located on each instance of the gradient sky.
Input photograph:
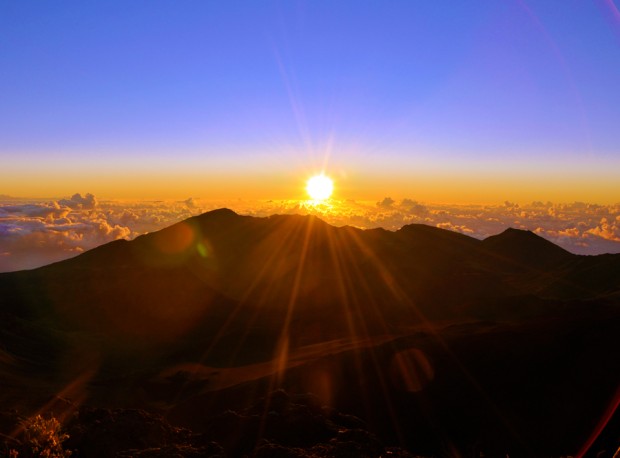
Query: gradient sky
(451, 101)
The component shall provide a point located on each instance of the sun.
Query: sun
(319, 187)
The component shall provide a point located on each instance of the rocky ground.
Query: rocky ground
(280, 426)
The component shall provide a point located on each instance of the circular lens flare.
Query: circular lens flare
(320, 187)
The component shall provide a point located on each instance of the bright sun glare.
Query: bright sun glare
(319, 187)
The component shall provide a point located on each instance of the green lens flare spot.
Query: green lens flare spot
(202, 250)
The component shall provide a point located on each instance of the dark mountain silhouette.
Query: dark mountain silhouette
(439, 341)
(526, 249)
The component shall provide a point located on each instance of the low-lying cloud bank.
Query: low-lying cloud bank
(35, 233)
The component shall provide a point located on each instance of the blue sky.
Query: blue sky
(369, 89)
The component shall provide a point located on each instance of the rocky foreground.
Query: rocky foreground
(281, 426)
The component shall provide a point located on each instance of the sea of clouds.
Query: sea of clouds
(38, 232)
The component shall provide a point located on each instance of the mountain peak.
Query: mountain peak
(218, 213)
(218, 217)
(513, 234)
(518, 232)
(526, 248)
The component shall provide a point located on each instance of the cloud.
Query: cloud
(608, 230)
(455, 228)
(34, 234)
(77, 202)
(387, 202)
(29, 245)
(51, 209)
(413, 207)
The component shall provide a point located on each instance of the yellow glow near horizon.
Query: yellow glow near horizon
(320, 187)
(428, 184)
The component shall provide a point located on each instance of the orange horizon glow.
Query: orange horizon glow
(452, 184)
(441, 190)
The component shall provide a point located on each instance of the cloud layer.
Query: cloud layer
(35, 233)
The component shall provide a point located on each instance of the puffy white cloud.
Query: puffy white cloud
(33, 233)
(30, 245)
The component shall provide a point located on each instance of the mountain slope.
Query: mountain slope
(421, 324)
(295, 270)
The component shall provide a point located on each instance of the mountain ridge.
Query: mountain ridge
(225, 216)
(242, 256)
